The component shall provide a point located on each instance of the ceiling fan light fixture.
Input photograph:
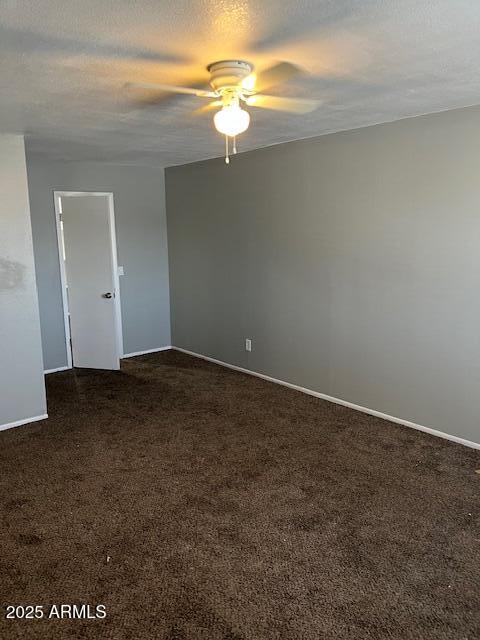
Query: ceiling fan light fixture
(232, 83)
(231, 120)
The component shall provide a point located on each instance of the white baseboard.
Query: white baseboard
(47, 371)
(125, 355)
(143, 353)
(344, 403)
(19, 423)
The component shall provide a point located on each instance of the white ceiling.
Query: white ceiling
(64, 63)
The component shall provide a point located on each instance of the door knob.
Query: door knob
(106, 295)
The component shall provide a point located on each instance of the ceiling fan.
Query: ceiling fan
(233, 84)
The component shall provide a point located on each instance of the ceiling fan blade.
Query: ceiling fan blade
(276, 74)
(277, 103)
(206, 108)
(170, 88)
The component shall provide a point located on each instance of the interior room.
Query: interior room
(239, 320)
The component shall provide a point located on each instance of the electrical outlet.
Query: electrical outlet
(248, 344)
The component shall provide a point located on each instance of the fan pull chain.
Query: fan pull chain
(234, 144)
(227, 158)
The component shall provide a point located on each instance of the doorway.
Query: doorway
(87, 252)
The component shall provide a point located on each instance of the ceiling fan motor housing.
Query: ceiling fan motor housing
(227, 74)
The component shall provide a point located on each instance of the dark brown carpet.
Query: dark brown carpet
(233, 509)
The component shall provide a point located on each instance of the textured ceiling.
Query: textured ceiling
(64, 64)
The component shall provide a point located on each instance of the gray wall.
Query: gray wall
(139, 199)
(352, 261)
(22, 388)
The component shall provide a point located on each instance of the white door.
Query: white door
(90, 264)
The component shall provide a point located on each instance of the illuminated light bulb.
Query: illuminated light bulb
(231, 120)
(248, 83)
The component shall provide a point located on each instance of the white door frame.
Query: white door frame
(57, 195)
